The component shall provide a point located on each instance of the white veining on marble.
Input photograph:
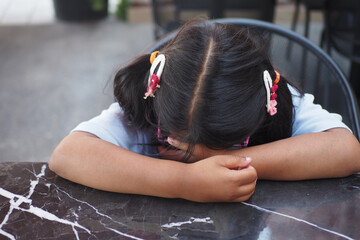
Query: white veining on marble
(89, 205)
(75, 214)
(47, 215)
(123, 234)
(6, 234)
(58, 195)
(297, 219)
(265, 234)
(11, 196)
(16, 200)
(77, 200)
(97, 212)
(76, 233)
(34, 183)
(192, 220)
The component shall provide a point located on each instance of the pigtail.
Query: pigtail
(279, 125)
(129, 87)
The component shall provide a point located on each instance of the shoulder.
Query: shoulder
(110, 125)
(310, 117)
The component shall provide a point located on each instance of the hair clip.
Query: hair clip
(244, 144)
(154, 78)
(153, 56)
(270, 92)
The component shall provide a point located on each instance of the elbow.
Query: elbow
(343, 153)
(68, 156)
(351, 160)
(355, 153)
(59, 157)
(55, 161)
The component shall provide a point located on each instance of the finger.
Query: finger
(244, 198)
(241, 178)
(246, 176)
(246, 163)
(176, 143)
(247, 188)
(245, 192)
(235, 162)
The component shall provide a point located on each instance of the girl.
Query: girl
(211, 100)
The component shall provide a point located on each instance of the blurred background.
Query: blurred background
(58, 57)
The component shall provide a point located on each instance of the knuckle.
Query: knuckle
(231, 196)
(229, 159)
(245, 198)
(233, 179)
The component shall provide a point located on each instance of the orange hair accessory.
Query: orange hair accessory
(270, 92)
(153, 56)
(277, 79)
(154, 77)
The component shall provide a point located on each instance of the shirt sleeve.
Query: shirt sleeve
(111, 126)
(310, 117)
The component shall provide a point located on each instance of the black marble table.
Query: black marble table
(35, 203)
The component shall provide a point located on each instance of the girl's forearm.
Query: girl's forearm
(85, 159)
(333, 153)
(88, 160)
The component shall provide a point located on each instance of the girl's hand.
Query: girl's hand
(222, 178)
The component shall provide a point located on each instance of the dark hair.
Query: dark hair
(212, 89)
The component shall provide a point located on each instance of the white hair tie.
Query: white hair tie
(270, 92)
(154, 78)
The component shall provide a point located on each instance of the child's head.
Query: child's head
(212, 89)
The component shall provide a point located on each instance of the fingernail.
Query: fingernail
(171, 140)
(248, 159)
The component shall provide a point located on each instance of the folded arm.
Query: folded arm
(328, 154)
(83, 158)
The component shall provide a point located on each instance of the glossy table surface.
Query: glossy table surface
(35, 203)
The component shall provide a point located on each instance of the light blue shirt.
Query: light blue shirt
(111, 126)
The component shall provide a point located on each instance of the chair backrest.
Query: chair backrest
(342, 28)
(313, 4)
(306, 65)
(168, 15)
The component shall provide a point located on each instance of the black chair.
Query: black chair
(342, 35)
(310, 5)
(316, 74)
(168, 15)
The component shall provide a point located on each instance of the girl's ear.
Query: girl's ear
(129, 90)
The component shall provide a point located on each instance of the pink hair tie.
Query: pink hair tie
(153, 85)
(244, 144)
(270, 92)
(154, 78)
